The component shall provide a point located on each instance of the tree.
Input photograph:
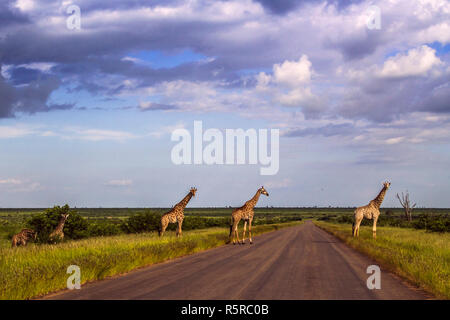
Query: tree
(406, 204)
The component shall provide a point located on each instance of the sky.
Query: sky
(86, 114)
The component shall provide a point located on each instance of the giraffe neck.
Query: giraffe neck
(252, 202)
(379, 199)
(183, 203)
(60, 225)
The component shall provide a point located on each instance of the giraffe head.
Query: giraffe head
(64, 216)
(193, 191)
(263, 191)
(387, 184)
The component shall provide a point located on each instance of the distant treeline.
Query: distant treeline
(436, 222)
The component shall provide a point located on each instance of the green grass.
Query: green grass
(419, 256)
(36, 270)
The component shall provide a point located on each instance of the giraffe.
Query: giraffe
(176, 214)
(58, 233)
(245, 213)
(370, 211)
(23, 237)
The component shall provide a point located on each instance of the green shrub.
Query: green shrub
(142, 222)
(44, 224)
(103, 229)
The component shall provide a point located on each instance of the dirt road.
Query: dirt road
(302, 262)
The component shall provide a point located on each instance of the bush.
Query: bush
(44, 224)
(142, 222)
(103, 229)
(389, 213)
(436, 223)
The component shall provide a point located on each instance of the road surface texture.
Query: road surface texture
(301, 262)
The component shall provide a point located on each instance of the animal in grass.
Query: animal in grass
(176, 214)
(370, 211)
(22, 238)
(244, 213)
(58, 234)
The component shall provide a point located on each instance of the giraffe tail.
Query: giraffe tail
(231, 227)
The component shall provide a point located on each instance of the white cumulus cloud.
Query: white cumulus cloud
(417, 62)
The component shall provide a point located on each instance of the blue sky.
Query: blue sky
(86, 115)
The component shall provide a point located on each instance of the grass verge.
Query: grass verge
(419, 256)
(36, 270)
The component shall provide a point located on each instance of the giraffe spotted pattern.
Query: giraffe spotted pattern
(22, 238)
(370, 211)
(176, 214)
(244, 213)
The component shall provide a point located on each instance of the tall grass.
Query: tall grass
(27, 272)
(420, 256)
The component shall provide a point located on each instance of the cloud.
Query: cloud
(10, 181)
(89, 134)
(326, 131)
(417, 62)
(395, 140)
(410, 81)
(289, 86)
(284, 183)
(293, 73)
(167, 130)
(97, 134)
(30, 97)
(119, 183)
(438, 32)
(281, 6)
(19, 185)
(153, 106)
(16, 131)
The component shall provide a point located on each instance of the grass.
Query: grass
(419, 256)
(36, 270)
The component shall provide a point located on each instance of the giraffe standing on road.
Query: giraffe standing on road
(245, 213)
(58, 234)
(23, 237)
(370, 211)
(176, 214)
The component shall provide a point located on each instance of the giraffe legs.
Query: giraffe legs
(243, 234)
(374, 229)
(179, 231)
(14, 241)
(250, 230)
(356, 226)
(163, 228)
(234, 229)
(236, 233)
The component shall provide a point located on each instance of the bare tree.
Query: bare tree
(406, 204)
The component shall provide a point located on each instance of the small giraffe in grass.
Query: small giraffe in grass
(22, 238)
(58, 234)
(176, 214)
(370, 211)
(245, 213)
